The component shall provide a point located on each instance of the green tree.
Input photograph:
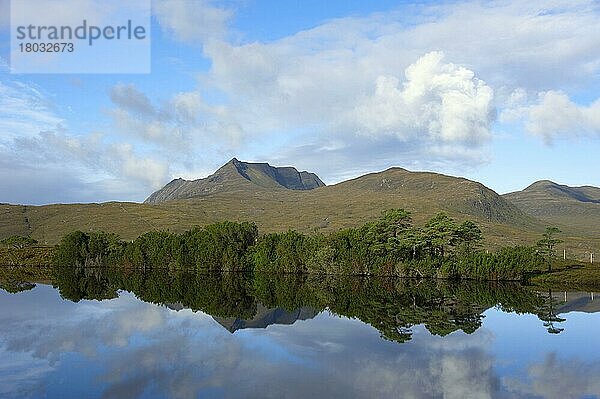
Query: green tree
(440, 234)
(389, 233)
(468, 236)
(90, 249)
(547, 244)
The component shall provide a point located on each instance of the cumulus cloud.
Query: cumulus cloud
(61, 165)
(27, 184)
(131, 99)
(363, 80)
(552, 115)
(435, 111)
(438, 101)
(533, 44)
(352, 94)
(178, 126)
(555, 377)
(436, 115)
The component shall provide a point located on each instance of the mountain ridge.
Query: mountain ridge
(257, 197)
(548, 188)
(251, 179)
(237, 175)
(576, 209)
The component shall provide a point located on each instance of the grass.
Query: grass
(32, 256)
(570, 275)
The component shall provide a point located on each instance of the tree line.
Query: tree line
(389, 246)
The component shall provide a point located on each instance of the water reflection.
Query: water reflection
(303, 337)
(392, 306)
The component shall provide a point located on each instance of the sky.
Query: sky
(503, 92)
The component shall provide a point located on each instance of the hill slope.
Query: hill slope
(575, 209)
(237, 175)
(454, 194)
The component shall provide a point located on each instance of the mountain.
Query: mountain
(546, 190)
(234, 176)
(421, 191)
(454, 194)
(575, 209)
(278, 199)
(263, 317)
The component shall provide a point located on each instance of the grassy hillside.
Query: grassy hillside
(576, 210)
(14, 220)
(324, 209)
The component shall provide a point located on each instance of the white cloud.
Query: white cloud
(438, 101)
(25, 110)
(362, 81)
(555, 377)
(131, 99)
(431, 113)
(42, 161)
(192, 21)
(533, 44)
(182, 124)
(556, 116)
(94, 153)
(348, 96)
(552, 115)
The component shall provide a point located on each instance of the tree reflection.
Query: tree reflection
(393, 306)
(548, 315)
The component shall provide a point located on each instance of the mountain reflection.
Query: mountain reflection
(265, 317)
(392, 306)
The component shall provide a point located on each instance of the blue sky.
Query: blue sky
(505, 93)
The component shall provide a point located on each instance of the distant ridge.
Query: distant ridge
(546, 189)
(576, 209)
(237, 175)
(437, 191)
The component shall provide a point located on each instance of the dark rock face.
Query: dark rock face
(286, 176)
(265, 317)
(237, 175)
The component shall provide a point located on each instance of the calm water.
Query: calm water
(105, 334)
